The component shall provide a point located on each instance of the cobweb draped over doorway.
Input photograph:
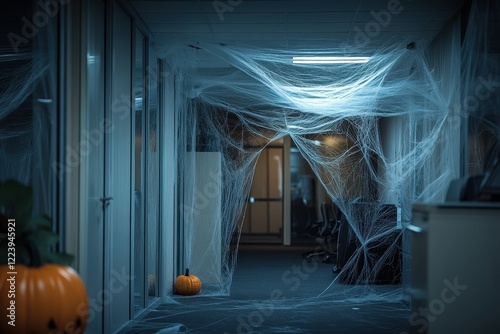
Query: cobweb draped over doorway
(384, 133)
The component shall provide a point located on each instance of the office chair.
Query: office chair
(456, 190)
(326, 235)
(346, 245)
(464, 188)
(387, 249)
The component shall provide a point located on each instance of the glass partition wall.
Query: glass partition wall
(146, 166)
(139, 226)
(152, 184)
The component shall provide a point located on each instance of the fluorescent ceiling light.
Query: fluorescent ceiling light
(330, 60)
(295, 127)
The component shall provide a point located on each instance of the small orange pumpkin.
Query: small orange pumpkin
(187, 285)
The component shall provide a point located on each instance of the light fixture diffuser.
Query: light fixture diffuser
(330, 60)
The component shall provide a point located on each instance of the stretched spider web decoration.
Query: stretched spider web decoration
(379, 136)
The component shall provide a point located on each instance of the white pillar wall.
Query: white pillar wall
(168, 181)
(205, 239)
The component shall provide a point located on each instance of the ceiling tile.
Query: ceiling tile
(173, 18)
(321, 17)
(443, 14)
(319, 27)
(244, 6)
(167, 6)
(179, 28)
(249, 28)
(261, 18)
(320, 6)
(294, 23)
(405, 16)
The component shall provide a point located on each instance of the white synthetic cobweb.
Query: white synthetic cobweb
(261, 96)
(396, 123)
(391, 132)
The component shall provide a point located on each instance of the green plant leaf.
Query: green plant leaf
(34, 223)
(16, 202)
(44, 239)
(60, 258)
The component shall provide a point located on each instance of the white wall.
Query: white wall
(168, 171)
(205, 233)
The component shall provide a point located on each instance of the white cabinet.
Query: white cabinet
(205, 235)
(455, 270)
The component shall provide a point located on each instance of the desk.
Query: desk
(455, 268)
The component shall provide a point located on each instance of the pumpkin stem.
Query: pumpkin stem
(187, 272)
(35, 260)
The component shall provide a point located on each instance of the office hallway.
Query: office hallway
(275, 291)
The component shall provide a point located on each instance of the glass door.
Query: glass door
(152, 183)
(139, 194)
(264, 215)
(304, 204)
(119, 168)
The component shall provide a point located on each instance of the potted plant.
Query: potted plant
(40, 292)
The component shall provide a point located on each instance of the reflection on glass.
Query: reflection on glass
(264, 215)
(153, 186)
(139, 228)
(303, 196)
(275, 173)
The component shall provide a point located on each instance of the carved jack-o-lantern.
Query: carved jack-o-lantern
(42, 299)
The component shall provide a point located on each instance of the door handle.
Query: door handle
(105, 201)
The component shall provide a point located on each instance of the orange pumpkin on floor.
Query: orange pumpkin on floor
(187, 285)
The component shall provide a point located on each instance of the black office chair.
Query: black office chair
(456, 190)
(389, 249)
(464, 188)
(346, 245)
(326, 235)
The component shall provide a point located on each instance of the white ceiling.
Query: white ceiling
(286, 24)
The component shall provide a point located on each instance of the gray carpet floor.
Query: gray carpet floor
(275, 290)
